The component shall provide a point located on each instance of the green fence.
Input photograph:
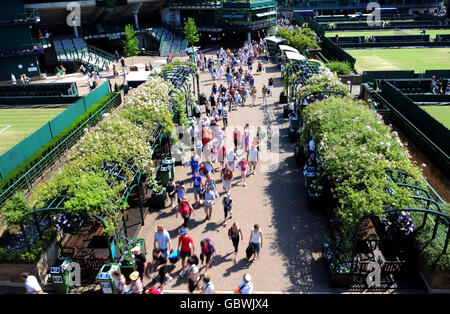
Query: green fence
(430, 135)
(19, 153)
(26, 181)
(319, 29)
(334, 50)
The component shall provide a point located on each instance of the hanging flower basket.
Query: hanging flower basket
(68, 223)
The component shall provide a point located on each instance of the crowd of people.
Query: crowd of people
(211, 159)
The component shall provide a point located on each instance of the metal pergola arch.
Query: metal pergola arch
(116, 171)
(304, 69)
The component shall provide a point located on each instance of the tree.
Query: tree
(190, 31)
(131, 43)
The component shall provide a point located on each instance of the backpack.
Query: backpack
(185, 209)
(249, 251)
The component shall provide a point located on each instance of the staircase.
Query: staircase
(76, 49)
(170, 44)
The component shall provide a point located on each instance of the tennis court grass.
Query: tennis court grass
(17, 124)
(418, 59)
(440, 113)
(431, 32)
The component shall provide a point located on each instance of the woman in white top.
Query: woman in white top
(256, 241)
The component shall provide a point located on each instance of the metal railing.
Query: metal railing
(25, 182)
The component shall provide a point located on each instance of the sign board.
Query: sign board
(55, 270)
(106, 287)
(57, 279)
(103, 276)
(33, 69)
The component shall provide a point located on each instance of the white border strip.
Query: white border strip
(8, 126)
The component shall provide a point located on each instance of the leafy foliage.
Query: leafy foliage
(14, 210)
(299, 38)
(131, 43)
(190, 31)
(339, 67)
(355, 150)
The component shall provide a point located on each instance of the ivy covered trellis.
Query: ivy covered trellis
(111, 161)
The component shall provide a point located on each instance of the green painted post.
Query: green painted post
(37, 226)
(436, 225)
(424, 221)
(447, 239)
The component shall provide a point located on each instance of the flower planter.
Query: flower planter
(435, 280)
(337, 279)
(158, 200)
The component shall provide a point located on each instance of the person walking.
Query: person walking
(227, 176)
(231, 159)
(195, 161)
(120, 282)
(211, 184)
(181, 192)
(221, 154)
(252, 158)
(136, 286)
(171, 191)
(242, 166)
(210, 196)
(186, 210)
(140, 261)
(236, 136)
(186, 248)
(13, 79)
(245, 286)
(253, 92)
(197, 182)
(264, 91)
(256, 241)
(31, 284)
(227, 203)
(162, 241)
(207, 251)
(193, 274)
(233, 235)
(159, 265)
(246, 137)
(207, 286)
(271, 86)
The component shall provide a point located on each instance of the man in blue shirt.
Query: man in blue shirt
(162, 238)
(198, 182)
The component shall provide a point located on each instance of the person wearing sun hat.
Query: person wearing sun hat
(185, 247)
(136, 286)
(246, 286)
(140, 261)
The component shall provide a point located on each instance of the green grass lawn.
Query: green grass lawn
(418, 59)
(440, 113)
(17, 124)
(431, 32)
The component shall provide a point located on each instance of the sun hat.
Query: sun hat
(247, 277)
(136, 249)
(134, 275)
(227, 195)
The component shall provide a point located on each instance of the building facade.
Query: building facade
(328, 7)
(217, 18)
(19, 50)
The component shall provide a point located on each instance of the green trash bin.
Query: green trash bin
(169, 162)
(105, 278)
(164, 175)
(60, 273)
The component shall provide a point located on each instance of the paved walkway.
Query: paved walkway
(290, 259)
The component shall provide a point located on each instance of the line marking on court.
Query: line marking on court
(384, 60)
(7, 127)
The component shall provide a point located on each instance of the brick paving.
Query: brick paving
(290, 260)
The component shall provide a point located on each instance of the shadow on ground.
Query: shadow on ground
(299, 230)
